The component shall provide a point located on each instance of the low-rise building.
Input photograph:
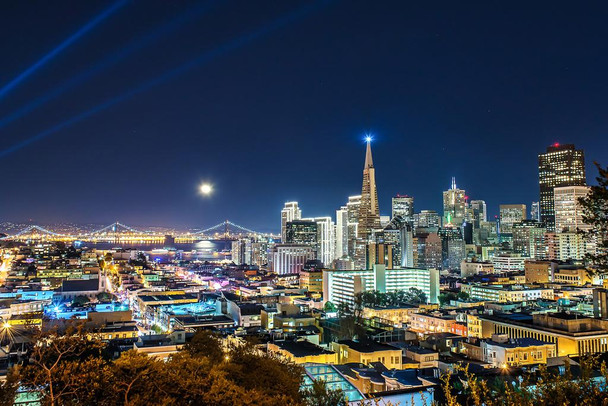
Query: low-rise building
(394, 315)
(506, 293)
(341, 286)
(302, 352)
(366, 352)
(469, 268)
(426, 323)
(572, 334)
(312, 281)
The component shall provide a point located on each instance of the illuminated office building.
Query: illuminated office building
(290, 212)
(341, 233)
(403, 206)
(529, 239)
(427, 219)
(302, 232)
(290, 258)
(325, 239)
(479, 212)
(454, 204)
(561, 165)
(452, 247)
(352, 208)
(511, 214)
(369, 214)
(568, 210)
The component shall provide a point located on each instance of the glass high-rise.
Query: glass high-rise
(403, 206)
(290, 212)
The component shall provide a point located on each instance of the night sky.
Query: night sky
(278, 100)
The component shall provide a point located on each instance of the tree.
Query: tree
(330, 307)
(8, 387)
(138, 379)
(416, 296)
(445, 298)
(205, 344)
(254, 370)
(68, 368)
(319, 394)
(595, 214)
(80, 300)
(463, 295)
(105, 297)
(61, 364)
(538, 388)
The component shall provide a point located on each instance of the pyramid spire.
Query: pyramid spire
(369, 216)
(369, 163)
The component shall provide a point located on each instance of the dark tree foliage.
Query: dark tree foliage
(320, 395)
(206, 343)
(543, 388)
(69, 369)
(80, 300)
(395, 298)
(595, 214)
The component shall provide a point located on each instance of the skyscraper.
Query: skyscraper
(452, 247)
(511, 214)
(479, 211)
(529, 239)
(290, 212)
(561, 165)
(325, 239)
(427, 219)
(454, 205)
(535, 211)
(369, 214)
(341, 233)
(403, 206)
(352, 209)
(568, 211)
(302, 232)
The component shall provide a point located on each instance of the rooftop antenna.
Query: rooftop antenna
(453, 183)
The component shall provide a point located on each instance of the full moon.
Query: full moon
(206, 189)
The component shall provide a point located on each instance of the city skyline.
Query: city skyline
(431, 110)
(491, 215)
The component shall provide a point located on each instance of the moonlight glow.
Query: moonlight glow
(206, 189)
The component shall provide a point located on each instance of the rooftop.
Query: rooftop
(79, 285)
(518, 343)
(367, 346)
(301, 348)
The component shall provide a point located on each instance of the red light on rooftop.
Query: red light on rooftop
(556, 144)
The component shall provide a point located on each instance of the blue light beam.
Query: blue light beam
(113, 59)
(57, 50)
(201, 60)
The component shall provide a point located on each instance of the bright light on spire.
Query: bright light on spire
(368, 138)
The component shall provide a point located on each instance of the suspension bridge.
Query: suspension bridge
(118, 233)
